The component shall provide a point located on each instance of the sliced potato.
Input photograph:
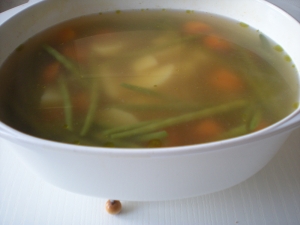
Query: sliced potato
(107, 50)
(109, 81)
(144, 63)
(51, 98)
(116, 117)
(154, 77)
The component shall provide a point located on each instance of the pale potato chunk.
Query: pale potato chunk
(116, 117)
(144, 63)
(154, 77)
(109, 82)
(107, 50)
(51, 98)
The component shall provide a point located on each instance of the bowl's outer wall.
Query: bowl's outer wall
(148, 178)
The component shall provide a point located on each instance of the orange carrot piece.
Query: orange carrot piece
(207, 130)
(69, 52)
(79, 54)
(175, 136)
(52, 115)
(216, 43)
(66, 35)
(194, 27)
(226, 80)
(50, 72)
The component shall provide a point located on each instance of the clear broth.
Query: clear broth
(147, 79)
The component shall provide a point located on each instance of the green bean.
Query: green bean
(125, 127)
(260, 86)
(51, 131)
(159, 135)
(67, 102)
(67, 63)
(146, 91)
(180, 119)
(234, 132)
(92, 109)
(141, 90)
(159, 107)
(255, 120)
(104, 141)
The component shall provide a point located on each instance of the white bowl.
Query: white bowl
(149, 174)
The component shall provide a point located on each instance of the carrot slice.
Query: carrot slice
(66, 35)
(207, 130)
(54, 115)
(76, 53)
(50, 72)
(177, 136)
(194, 27)
(80, 102)
(226, 80)
(216, 43)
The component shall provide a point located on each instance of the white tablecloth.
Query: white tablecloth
(271, 197)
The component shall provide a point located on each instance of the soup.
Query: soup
(140, 79)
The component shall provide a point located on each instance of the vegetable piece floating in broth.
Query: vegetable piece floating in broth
(226, 81)
(194, 27)
(148, 79)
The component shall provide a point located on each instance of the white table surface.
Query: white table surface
(271, 197)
